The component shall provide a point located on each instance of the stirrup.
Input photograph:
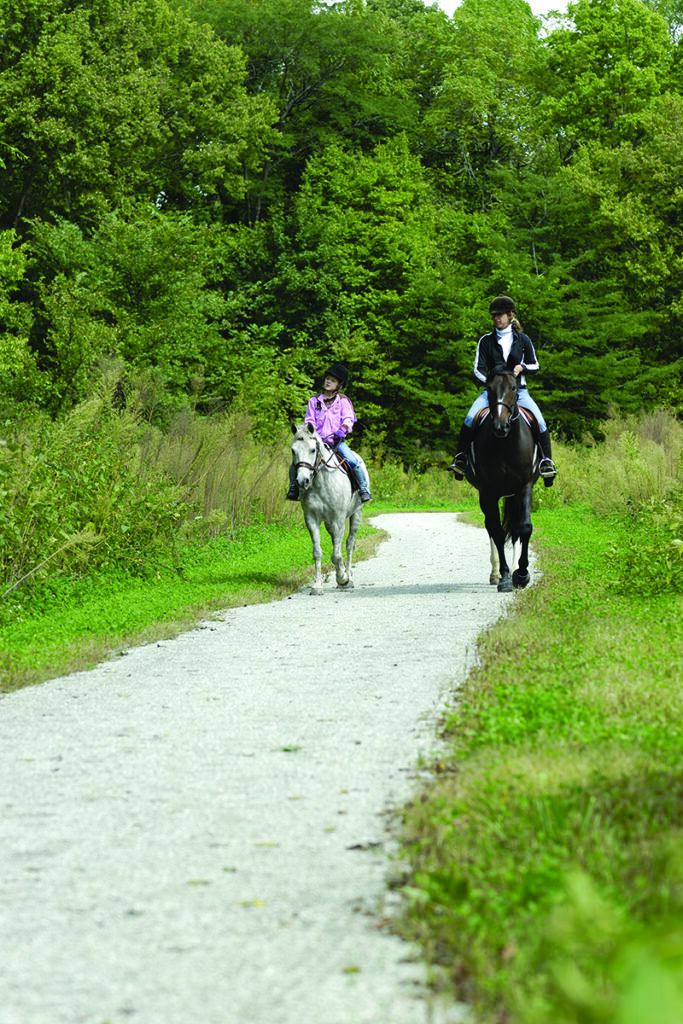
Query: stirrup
(364, 496)
(458, 466)
(547, 468)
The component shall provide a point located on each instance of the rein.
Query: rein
(320, 461)
(514, 410)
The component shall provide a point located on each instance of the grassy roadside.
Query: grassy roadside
(77, 623)
(545, 857)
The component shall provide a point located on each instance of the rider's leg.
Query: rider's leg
(459, 463)
(359, 471)
(526, 401)
(546, 466)
(293, 492)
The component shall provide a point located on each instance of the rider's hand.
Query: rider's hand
(338, 438)
(518, 369)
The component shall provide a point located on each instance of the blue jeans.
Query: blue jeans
(356, 464)
(523, 398)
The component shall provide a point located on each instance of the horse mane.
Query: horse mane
(500, 371)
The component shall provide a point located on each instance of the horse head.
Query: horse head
(306, 453)
(501, 386)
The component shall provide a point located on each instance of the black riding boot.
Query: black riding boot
(459, 463)
(546, 466)
(293, 492)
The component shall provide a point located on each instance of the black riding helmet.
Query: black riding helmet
(502, 304)
(339, 372)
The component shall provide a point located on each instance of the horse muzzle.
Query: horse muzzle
(304, 479)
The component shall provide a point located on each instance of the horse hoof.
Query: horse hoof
(316, 592)
(521, 580)
(505, 585)
(345, 586)
(493, 579)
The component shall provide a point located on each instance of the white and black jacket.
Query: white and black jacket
(490, 354)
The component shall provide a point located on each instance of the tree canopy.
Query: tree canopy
(227, 194)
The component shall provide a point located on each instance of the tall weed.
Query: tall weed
(74, 493)
(229, 477)
(634, 477)
(101, 487)
(403, 487)
(640, 459)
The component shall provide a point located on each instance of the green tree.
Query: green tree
(20, 379)
(478, 78)
(109, 100)
(138, 288)
(617, 113)
(363, 275)
(331, 71)
(149, 289)
(635, 202)
(605, 66)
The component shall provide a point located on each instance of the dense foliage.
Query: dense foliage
(228, 194)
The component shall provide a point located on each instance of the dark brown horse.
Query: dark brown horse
(503, 465)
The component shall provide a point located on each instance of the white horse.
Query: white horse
(326, 497)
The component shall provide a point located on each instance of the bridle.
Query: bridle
(513, 410)
(320, 461)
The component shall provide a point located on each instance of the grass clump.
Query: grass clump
(546, 855)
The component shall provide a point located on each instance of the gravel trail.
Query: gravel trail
(196, 832)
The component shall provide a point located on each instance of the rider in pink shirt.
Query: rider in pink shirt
(332, 415)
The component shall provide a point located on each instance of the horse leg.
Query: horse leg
(314, 530)
(495, 563)
(336, 532)
(521, 576)
(354, 523)
(494, 528)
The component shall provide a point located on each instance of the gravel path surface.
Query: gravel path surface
(195, 832)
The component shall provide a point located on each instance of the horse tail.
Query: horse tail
(511, 516)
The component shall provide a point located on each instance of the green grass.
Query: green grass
(546, 876)
(73, 623)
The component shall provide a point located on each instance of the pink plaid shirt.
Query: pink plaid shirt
(329, 420)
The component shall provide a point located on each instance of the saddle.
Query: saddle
(345, 467)
(526, 413)
(528, 416)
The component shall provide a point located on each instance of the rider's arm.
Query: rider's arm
(348, 416)
(481, 361)
(311, 410)
(529, 360)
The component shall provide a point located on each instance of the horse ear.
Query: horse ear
(311, 428)
(294, 428)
